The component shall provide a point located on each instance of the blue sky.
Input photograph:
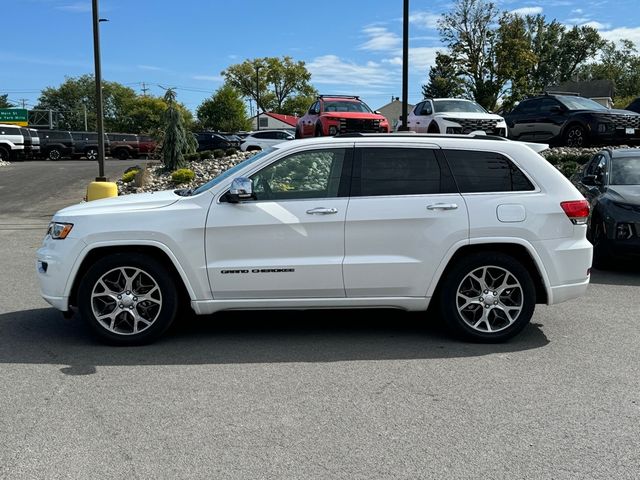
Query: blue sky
(350, 46)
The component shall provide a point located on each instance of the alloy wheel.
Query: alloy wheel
(126, 300)
(489, 299)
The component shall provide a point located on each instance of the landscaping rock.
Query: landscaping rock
(4, 164)
(156, 178)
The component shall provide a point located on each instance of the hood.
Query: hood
(610, 111)
(624, 194)
(470, 115)
(125, 203)
(358, 115)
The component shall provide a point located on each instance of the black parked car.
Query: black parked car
(572, 121)
(611, 183)
(86, 145)
(56, 144)
(214, 140)
(634, 106)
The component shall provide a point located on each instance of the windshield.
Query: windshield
(579, 103)
(457, 106)
(625, 171)
(338, 106)
(232, 171)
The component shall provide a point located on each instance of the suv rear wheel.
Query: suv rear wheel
(128, 299)
(487, 297)
(318, 132)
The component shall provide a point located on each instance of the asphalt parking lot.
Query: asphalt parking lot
(307, 394)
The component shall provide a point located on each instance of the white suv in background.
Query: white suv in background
(454, 116)
(264, 138)
(11, 143)
(486, 228)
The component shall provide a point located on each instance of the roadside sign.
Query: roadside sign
(14, 116)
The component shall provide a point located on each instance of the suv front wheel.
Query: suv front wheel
(487, 297)
(128, 299)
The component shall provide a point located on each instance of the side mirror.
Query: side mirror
(241, 189)
(591, 180)
(377, 112)
(426, 111)
(556, 109)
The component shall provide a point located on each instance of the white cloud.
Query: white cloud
(424, 19)
(152, 68)
(620, 33)
(577, 11)
(208, 78)
(420, 58)
(380, 39)
(332, 70)
(596, 25)
(77, 7)
(524, 11)
(577, 20)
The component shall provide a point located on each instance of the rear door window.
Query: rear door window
(398, 171)
(483, 172)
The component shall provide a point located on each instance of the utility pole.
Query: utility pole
(405, 65)
(84, 109)
(98, 75)
(257, 97)
(24, 102)
(144, 89)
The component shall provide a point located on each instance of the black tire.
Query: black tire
(298, 134)
(91, 153)
(253, 148)
(602, 258)
(122, 154)
(512, 299)
(575, 136)
(153, 273)
(4, 154)
(433, 128)
(54, 155)
(318, 132)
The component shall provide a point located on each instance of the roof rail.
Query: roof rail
(339, 96)
(421, 135)
(555, 92)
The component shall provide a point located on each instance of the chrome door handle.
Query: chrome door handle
(442, 206)
(322, 211)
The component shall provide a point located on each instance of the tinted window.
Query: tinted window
(457, 106)
(346, 106)
(625, 171)
(397, 171)
(546, 104)
(314, 174)
(418, 108)
(10, 131)
(529, 106)
(485, 172)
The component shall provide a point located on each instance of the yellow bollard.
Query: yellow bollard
(98, 190)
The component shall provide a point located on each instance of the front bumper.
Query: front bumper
(55, 262)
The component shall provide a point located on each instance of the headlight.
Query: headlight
(59, 231)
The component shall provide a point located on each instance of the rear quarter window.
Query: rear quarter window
(484, 172)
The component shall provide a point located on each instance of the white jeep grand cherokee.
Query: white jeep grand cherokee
(485, 227)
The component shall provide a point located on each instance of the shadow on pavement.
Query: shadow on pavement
(627, 274)
(42, 336)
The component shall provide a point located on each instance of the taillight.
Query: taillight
(577, 211)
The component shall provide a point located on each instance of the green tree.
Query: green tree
(145, 114)
(469, 33)
(271, 81)
(299, 104)
(4, 101)
(76, 93)
(620, 63)
(443, 79)
(177, 140)
(224, 111)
